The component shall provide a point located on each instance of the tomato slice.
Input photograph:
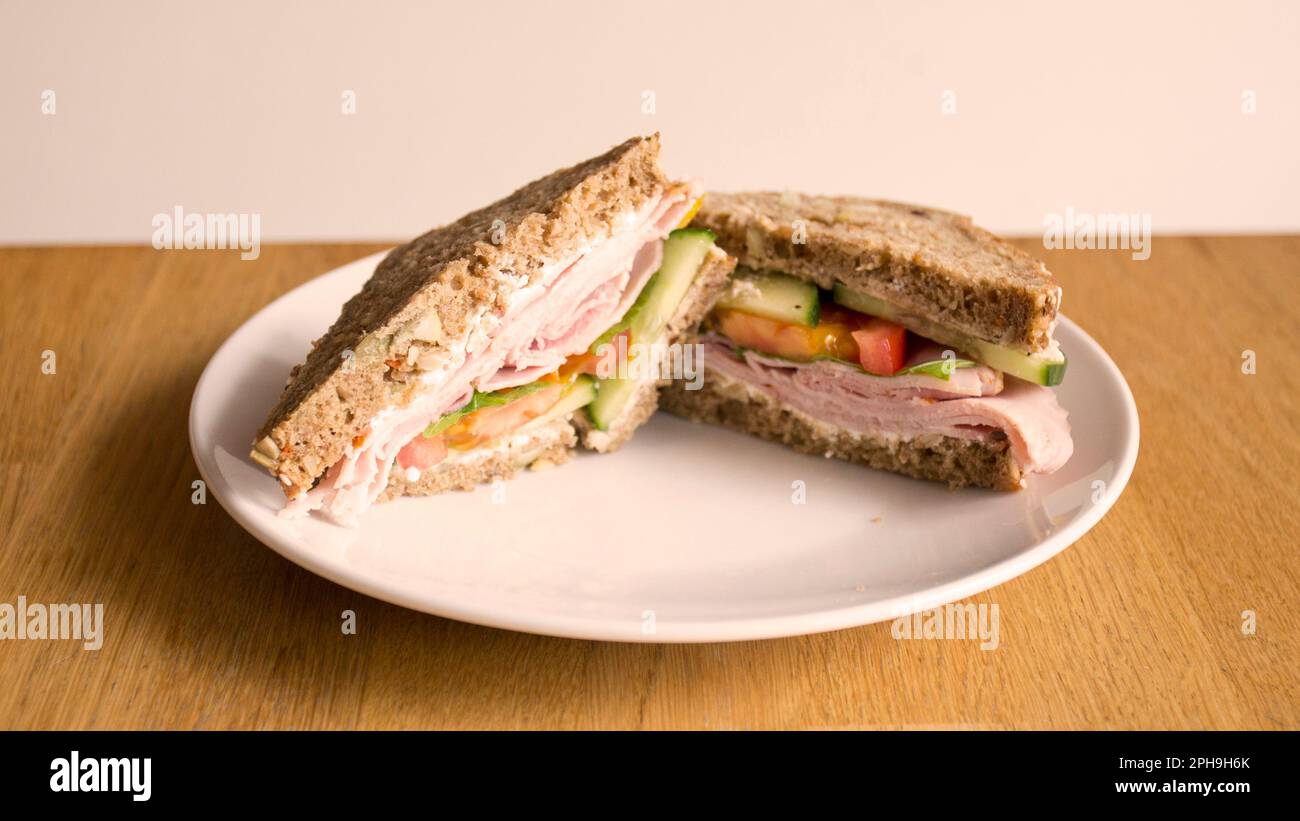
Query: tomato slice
(878, 345)
(881, 346)
(487, 424)
(832, 337)
(422, 452)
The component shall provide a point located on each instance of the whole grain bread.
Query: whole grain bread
(552, 444)
(417, 310)
(547, 446)
(935, 457)
(709, 282)
(932, 264)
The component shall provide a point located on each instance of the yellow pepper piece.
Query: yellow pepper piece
(690, 214)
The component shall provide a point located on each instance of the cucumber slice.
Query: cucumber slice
(1046, 368)
(774, 296)
(1043, 368)
(612, 395)
(648, 318)
(684, 253)
(579, 395)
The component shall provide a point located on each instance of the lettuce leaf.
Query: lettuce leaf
(938, 368)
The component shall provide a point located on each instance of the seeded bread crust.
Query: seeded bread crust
(933, 264)
(428, 295)
(548, 446)
(937, 458)
(705, 289)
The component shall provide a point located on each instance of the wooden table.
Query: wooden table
(1138, 625)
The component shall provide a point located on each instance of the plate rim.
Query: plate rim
(694, 631)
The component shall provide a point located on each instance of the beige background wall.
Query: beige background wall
(236, 106)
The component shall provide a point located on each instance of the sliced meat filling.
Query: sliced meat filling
(547, 321)
(971, 404)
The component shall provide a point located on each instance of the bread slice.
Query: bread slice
(961, 280)
(538, 448)
(710, 280)
(936, 457)
(552, 443)
(418, 310)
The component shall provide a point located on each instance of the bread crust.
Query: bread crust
(431, 293)
(934, 457)
(933, 264)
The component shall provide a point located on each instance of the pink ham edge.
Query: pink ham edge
(967, 406)
(548, 321)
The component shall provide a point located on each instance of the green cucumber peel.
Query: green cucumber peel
(690, 231)
(643, 298)
(626, 322)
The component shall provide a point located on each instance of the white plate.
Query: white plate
(690, 533)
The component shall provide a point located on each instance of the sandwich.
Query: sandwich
(894, 336)
(484, 346)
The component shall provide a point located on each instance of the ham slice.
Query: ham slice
(563, 321)
(547, 321)
(972, 404)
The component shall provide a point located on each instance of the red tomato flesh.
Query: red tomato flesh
(489, 423)
(831, 337)
(422, 452)
(878, 345)
(882, 346)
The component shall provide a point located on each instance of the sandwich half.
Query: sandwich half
(895, 336)
(473, 349)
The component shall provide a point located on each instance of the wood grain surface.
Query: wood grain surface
(1138, 625)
